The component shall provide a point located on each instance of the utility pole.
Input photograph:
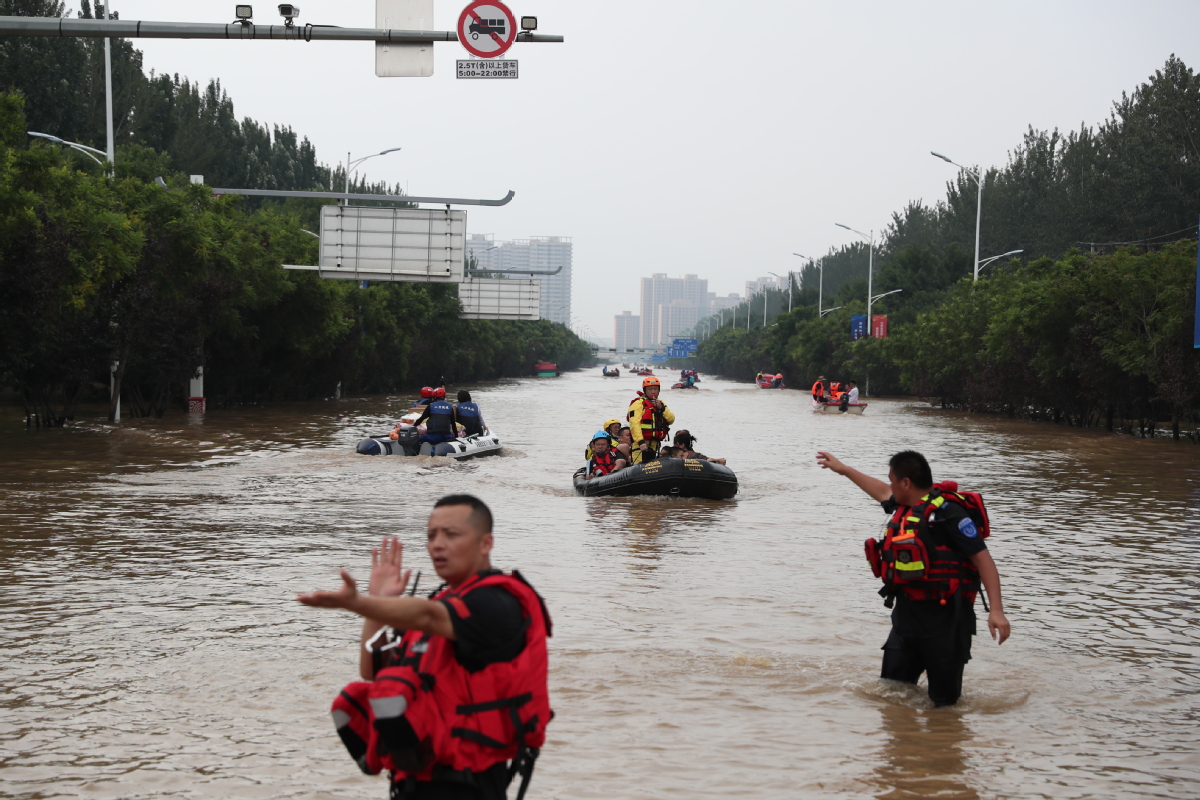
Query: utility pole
(112, 147)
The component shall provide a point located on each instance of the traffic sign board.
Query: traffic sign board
(487, 28)
(690, 344)
(477, 68)
(658, 358)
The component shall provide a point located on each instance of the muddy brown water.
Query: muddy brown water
(151, 645)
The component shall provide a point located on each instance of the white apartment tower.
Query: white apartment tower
(670, 306)
(626, 331)
(537, 253)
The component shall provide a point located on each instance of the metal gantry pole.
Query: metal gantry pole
(108, 97)
(978, 217)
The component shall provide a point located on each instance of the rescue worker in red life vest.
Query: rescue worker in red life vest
(935, 538)
(462, 691)
(649, 421)
(605, 460)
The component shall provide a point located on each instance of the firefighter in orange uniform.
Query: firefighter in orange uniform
(453, 701)
(933, 562)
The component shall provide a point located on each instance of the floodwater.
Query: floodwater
(152, 647)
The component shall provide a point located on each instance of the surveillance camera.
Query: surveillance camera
(529, 23)
(289, 12)
(244, 12)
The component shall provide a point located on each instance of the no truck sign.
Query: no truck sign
(487, 28)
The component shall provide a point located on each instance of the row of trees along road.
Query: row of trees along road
(1092, 327)
(96, 270)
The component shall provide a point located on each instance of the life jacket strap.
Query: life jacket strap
(496, 705)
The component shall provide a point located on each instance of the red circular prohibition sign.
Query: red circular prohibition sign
(472, 26)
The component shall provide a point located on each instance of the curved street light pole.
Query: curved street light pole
(789, 277)
(820, 283)
(870, 266)
(351, 164)
(978, 176)
(83, 148)
(988, 261)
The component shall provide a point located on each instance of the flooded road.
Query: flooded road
(152, 646)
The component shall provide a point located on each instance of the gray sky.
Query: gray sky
(708, 138)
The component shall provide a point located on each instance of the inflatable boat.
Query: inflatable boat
(616, 373)
(409, 444)
(683, 386)
(836, 408)
(671, 477)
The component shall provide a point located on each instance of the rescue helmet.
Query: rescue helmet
(780, 376)
(650, 381)
(608, 423)
(426, 392)
(439, 393)
(600, 435)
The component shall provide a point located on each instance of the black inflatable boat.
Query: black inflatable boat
(673, 477)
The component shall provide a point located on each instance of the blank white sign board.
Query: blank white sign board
(404, 60)
(393, 244)
(501, 298)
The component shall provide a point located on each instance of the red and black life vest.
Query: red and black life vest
(426, 714)
(652, 423)
(602, 464)
(911, 560)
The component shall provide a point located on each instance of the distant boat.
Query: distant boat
(546, 369)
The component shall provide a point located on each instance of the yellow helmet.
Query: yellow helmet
(610, 422)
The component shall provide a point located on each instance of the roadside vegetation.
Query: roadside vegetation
(1091, 326)
(96, 270)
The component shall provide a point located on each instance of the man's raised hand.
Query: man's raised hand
(829, 461)
(388, 576)
(342, 598)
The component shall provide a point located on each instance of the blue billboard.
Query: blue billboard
(658, 358)
(678, 352)
(858, 326)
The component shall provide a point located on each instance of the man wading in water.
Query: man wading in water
(932, 561)
(460, 691)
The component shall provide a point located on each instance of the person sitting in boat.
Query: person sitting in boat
(777, 381)
(849, 396)
(613, 428)
(426, 396)
(604, 460)
(835, 392)
(467, 414)
(818, 390)
(649, 421)
(440, 426)
(625, 444)
(685, 448)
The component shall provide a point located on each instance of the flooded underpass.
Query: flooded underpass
(153, 646)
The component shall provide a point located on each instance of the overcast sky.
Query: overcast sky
(702, 137)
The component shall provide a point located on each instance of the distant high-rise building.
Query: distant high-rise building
(539, 253)
(667, 306)
(716, 304)
(754, 287)
(626, 331)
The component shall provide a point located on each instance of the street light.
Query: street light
(870, 265)
(876, 297)
(988, 261)
(789, 288)
(351, 164)
(820, 283)
(978, 176)
(835, 308)
(83, 148)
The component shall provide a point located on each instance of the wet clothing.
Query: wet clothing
(926, 635)
(469, 417)
(490, 628)
(852, 395)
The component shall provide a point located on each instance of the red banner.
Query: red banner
(879, 326)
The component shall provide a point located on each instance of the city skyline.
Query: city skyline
(535, 253)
